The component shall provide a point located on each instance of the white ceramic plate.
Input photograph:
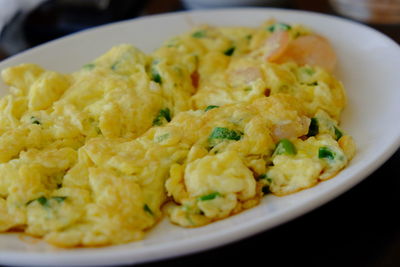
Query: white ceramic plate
(368, 66)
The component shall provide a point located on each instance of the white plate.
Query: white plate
(368, 66)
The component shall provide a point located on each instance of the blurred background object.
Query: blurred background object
(27, 23)
(205, 4)
(370, 11)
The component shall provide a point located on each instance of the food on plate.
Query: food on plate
(200, 129)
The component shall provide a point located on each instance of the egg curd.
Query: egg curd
(199, 130)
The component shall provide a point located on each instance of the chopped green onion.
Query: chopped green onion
(279, 27)
(59, 199)
(43, 201)
(35, 120)
(313, 130)
(209, 196)
(155, 76)
(338, 133)
(313, 84)
(89, 66)
(114, 66)
(210, 107)
(262, 176)
(265, 177)
(286, 147)
(162, 137)
(162, 116)
(308, 71)
(229, 51)
(225, 133)
(147, 209)
(265, 189)
(326, 153)
(199, 34)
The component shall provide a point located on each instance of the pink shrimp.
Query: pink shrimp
(313, 50)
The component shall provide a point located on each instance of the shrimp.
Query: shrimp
(276, 45)
(312, 50)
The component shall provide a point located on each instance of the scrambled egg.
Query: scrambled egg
(209, 123)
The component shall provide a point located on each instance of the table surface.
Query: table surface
(358, 228)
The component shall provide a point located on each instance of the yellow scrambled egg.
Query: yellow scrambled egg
(209, 123)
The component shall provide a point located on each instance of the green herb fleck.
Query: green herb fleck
(229, 51)
(313, 130)
(43, 201)
(114, 66)
(313, 84)
(225, 133)
(262, 176)
(210, 107)
(162, 137)
(338, 133)
(326, 153)
(209, 196)
(147, 209)
(162, 116)
(265, 189)
(248, 37)
(279, 27)
(89, 66)
(199, 34)
(286, 147)
(59, 199)
(98, 130)
(155, 76)
(308, 71)
(35, 120)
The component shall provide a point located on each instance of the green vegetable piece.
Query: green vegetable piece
(211, 107)
(115, 66)
(265, 177)
(265, 189)
(225, 133)
(248, 37)
(229, 51)
(162, 137)
(43, 201)
(148, 210)
(286, 147)
(59, 199)
(279, 27)
(209, 196)
(199, 34)
(308, 71)
(325, 153)
(35, 120)
(338, 133)
(155, 76)
(313, 84)
(313, 129)
(89, 66)
(163, 114)
(262, 176)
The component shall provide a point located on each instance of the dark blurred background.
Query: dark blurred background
(32, 22)
(359, 228)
